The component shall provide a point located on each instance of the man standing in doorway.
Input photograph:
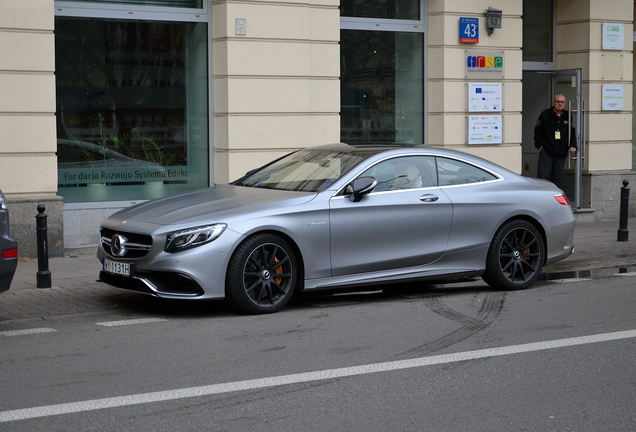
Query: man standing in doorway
(554, 138)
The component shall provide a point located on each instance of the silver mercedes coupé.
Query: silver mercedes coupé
(339, 216)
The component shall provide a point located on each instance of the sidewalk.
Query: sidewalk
(75, 289)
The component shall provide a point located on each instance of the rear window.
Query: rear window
(453, 172)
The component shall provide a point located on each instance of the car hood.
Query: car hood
(210, 205)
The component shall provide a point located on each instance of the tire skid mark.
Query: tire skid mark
(491, 308)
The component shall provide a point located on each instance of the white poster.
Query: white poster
(612, 97)
(613, 36)
(485, 97)
(485, 129)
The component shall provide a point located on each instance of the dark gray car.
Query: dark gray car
(340, 216)
(8, 248)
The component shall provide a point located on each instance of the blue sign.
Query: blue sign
(468, 30)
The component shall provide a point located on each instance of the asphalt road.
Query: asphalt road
(556, 357)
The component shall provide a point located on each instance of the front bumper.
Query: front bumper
(197, 273)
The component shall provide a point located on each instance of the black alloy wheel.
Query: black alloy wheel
(515, 257)
(262, 275)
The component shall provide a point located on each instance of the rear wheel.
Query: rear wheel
(262, 275)
(515, 257)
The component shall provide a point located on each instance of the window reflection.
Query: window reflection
(126, 98)
(381, 87)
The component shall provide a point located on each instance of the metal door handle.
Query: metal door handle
(429, 198)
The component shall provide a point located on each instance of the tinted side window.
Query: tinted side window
(453, 172)
(409, 172)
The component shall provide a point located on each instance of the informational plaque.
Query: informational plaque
(485, 129)
(612, 97)
(485, 97)
(613, 36)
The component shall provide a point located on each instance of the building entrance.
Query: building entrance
(539, 89)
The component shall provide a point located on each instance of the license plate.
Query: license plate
(118, 268)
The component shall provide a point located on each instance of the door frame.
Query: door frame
(575, 113)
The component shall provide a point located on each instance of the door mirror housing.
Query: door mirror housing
(360, 187)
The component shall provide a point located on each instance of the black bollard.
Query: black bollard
(43, 275)
(623, 232)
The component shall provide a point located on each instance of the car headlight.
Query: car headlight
(3, 202)
(193, 237)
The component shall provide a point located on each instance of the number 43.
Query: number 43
(470, 30)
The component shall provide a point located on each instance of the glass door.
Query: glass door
(568, 83)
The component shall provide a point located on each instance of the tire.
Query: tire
(261, 275)
(515, 257)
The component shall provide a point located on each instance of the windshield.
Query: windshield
(305, 170)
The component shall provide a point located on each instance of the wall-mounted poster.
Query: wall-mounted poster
(485, 129)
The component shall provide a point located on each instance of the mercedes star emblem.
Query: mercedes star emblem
(117, 245)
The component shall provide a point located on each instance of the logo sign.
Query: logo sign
(484, 64)
(117, 247)
(468, 30)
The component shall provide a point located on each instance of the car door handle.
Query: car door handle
(429, 198)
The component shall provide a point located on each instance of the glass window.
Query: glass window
(453, 172)
(410, 172)
(198, 4)
(538, 29)
(382, 94)
(132, 108)
(389, 9)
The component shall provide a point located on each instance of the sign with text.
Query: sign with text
(613, 36)
(484, 64)
(485, 129)
(468, 30)
(485, 97)
(612, 97)
(91, 175)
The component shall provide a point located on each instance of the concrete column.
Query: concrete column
(276, 87)
(28, 165)
(447, 83)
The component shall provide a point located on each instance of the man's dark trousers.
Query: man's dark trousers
(550, 168)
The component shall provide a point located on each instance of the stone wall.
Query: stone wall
(602, 193)
(22, 213)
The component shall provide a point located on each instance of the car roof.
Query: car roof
(394, 149)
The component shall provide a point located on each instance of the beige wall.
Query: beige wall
(447, 86)
(579, 45)
(28, 165)
(277, 87)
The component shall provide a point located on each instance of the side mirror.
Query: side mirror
(360, 187)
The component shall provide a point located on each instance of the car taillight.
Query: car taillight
(10, 253)
(562, 199)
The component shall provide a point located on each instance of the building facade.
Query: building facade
(106, 103)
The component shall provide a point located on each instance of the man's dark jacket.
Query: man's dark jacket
(544, 133)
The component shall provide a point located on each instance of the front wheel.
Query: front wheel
(515, 257)
(262, 274)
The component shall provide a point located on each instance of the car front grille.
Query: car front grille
(136, 245)
(155, 283)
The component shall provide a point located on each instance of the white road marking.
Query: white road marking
(626, 274)
(130, 322)
(26, 332)
(144, 398)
